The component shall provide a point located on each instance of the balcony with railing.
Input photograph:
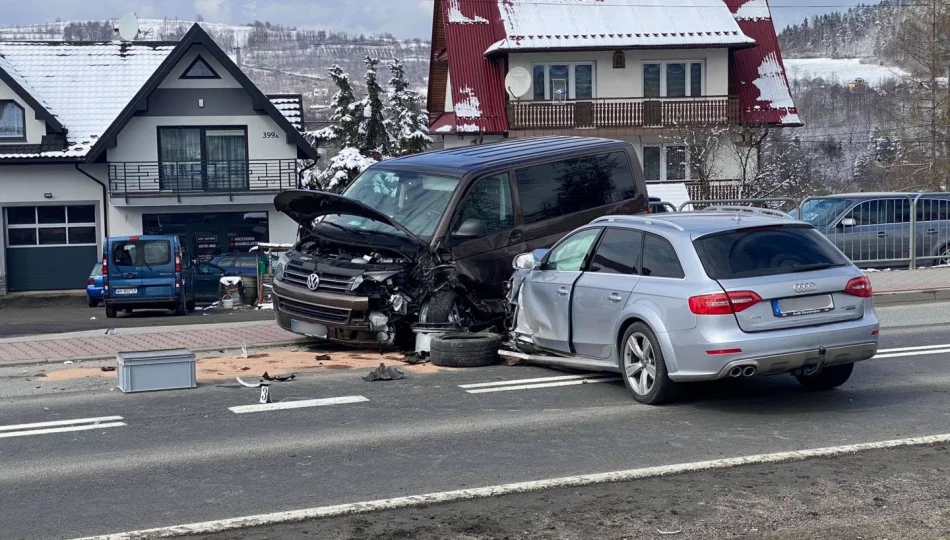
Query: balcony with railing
(624, 112)
(201, 178)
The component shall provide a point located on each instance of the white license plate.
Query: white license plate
(806, 305)
(309, 329)
(126, 291)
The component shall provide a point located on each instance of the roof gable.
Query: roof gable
(12, 78)
(197, 36)
(199, 69)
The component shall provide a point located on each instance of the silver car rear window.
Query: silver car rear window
(766, 251)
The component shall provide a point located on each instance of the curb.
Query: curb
(911, 297)
(301, 341)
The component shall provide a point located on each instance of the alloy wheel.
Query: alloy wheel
(639, 361)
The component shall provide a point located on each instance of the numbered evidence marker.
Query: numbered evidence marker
(265, 394)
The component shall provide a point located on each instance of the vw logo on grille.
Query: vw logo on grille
(805, 287)
(313, 282)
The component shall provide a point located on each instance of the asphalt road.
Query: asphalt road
(29, 316)
(184, 457)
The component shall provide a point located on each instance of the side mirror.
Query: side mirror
(848, 222)
(529, 261)
(471, 229)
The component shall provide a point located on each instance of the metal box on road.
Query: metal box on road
(144, 371)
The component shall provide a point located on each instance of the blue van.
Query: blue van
(147, 272)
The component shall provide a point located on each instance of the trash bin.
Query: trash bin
(231, 287)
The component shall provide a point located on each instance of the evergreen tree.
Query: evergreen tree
(373, 137)
(408, 123)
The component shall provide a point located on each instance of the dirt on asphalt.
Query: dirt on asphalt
(896, 494)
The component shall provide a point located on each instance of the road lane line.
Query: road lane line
(910, 353)
(65, 429)
(542, 385)
(283, 405)
(917, 348)
(56, 423)
(522, 381)
(221, 525)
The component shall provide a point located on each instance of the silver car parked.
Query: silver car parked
(693, 297)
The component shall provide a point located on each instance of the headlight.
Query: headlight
(282, 262)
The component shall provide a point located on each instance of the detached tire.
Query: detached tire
(465, 350)
(829, 378)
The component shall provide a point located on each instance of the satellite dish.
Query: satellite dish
(128, 27)
(518, 82)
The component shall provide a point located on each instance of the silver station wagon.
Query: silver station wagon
(694, 296)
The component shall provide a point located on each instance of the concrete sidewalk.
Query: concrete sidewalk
(906, 286)
(93, 345)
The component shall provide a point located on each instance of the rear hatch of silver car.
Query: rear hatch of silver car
(783, 276)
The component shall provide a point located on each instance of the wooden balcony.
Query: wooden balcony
(624, 112)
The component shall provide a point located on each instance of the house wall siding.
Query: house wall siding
(35, 129)
(628, 82)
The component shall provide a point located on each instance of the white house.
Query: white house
(645, 71)
(124, 138)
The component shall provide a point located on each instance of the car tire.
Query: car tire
(190, 306)
(442, 308)
(943, 256)
(461, 350)
(92, 302)
(830, 378)
(110, 312)
(127, 311)
(640, 354)
(181, 308)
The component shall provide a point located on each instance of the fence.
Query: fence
(880, 230)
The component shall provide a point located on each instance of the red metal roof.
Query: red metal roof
(757, 75)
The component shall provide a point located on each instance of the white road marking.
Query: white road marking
(56, 423)
(917, 348)
(521, 381)
(910, 353)
(217, 526)
(282, 405)
(543, 385)
(65, 429)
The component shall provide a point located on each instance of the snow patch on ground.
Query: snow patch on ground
(841, 70)
(456, 16)
(771, 84)
(753, 10)
(468, 107)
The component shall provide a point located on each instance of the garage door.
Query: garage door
(50, 247)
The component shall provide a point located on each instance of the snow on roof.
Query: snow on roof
(753, 10)
(468, 107)
(773, 88)
(85, 85)
(291, 106)
(456, 16)
(573, 24)
(6, 66)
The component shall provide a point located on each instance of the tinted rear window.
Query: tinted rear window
(573, 185)
(141, 253)
(766, 252)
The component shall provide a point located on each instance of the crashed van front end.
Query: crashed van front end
(348, 285)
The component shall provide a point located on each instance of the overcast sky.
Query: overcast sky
(402, 18)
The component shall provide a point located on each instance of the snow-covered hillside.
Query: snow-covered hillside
(841, 70)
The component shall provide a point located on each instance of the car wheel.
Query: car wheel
(465, 350)
(181, 308)
(644, 371)
(190, 306)
(828, 379)
(943, 256)
(92, 302)
(110, 312)
(442, 308)
(127, 311)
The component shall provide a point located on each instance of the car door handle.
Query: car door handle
(932, 232)
(881, 234)
(614, 298)
(563, 291)
(514, 236)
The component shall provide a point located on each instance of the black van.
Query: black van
(430, 238)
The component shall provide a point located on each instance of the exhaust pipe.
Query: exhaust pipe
(735, 372)
(748, 371)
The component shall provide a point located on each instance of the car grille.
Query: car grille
(315, 312)
(296, 274)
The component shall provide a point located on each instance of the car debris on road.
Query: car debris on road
(384, 373)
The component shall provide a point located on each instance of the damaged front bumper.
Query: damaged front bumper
(336, 317)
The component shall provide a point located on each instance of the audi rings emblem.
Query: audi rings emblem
(313, 282)
(805, 287)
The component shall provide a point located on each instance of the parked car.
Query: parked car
(94, 286)
(240, 264)
(692, 297)
(147, 272)
(657, 206)
(207, 281)
(874, 229)
(428, 239)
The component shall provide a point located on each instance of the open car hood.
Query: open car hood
(303, 206)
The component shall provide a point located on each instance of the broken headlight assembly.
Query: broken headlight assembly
(282, 262)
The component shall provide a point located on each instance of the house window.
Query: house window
(673, 79)
(12, 122)
(563, 81)
(29, 226)
(203, 158)
(666, 162)
(199, 69)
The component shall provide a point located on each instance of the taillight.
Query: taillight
(860, 287)
(105, 266)
(178, 262)
(723, 303)
(91, 282)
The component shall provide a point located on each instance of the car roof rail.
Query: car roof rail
(637, 219)
(748, 209)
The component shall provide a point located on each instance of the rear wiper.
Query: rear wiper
(812, 267)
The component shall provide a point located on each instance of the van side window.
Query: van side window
(573, 185)
(488, 201)
(882, 212)
(936, 209)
